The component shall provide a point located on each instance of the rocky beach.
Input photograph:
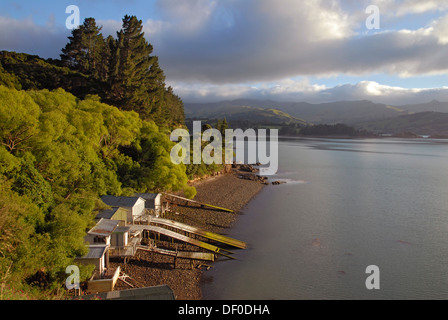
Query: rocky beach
(231, 190)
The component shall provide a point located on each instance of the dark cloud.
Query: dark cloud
(231, 41)
(214, 49)
(25, 36)
(260, 42)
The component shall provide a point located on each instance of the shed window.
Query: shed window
(98, 239)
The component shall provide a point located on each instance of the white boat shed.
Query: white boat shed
(134, 205)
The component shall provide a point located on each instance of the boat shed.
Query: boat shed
(101, 233)
(116, 213)
(153, 201)
(120, 237)
(134, 205)
(98, 255)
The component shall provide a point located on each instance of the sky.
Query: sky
(288, 50)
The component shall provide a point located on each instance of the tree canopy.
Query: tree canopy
(58, 155)
(130, 74)
(95, 122)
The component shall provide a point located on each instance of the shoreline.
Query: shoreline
(150, 269)
(437, 138)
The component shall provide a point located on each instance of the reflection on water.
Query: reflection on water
(347, 204)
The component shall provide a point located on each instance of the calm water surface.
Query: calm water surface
(348, 204)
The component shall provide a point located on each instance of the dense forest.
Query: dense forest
(95, 122)
(122, 71)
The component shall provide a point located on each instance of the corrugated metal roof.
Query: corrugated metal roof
(127, 202)
(95, 252)
(104, 227)
(147, 196)
(108, 214)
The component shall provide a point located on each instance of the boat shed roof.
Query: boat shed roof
(127, 202)
(104, 228)
(109, 213)
(95, 252)
(148, 196)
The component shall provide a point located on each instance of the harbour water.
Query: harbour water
(347, 205)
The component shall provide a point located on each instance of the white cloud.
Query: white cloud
(264, 40)
(233, 41)
(440, 30)
(209, 47)
(420, 6)
(186, 17)
(400, 8)
(302, 90)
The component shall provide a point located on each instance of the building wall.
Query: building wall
(139, 208)
(122, 216)
(158, 204)
(158, 201)
(98, 263)
(93, 239)
(120, 239)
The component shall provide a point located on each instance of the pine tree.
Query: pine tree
(131, 63)
(130, 77)
(85, 51)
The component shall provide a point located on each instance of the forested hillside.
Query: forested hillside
(346, 112)
(434, 124)
(95, 122)
(122, 71)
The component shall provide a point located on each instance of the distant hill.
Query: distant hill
(346, 112)
(422, 123)
(434, 106)
(239, 113)
(421, 119)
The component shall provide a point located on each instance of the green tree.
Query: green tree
(9, 80)
(29, 182)
(19, 116)
(86, 51)
(131, 63)
(22, 250)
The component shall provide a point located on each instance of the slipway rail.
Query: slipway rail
(190, 229)
(180, 254)
(199, 203)
(183, 238)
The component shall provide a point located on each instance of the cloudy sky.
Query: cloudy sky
(307, 50)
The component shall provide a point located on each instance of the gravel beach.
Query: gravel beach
(150, 269)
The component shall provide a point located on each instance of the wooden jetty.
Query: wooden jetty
(181, 237)
(197, 231)
(167, 195)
